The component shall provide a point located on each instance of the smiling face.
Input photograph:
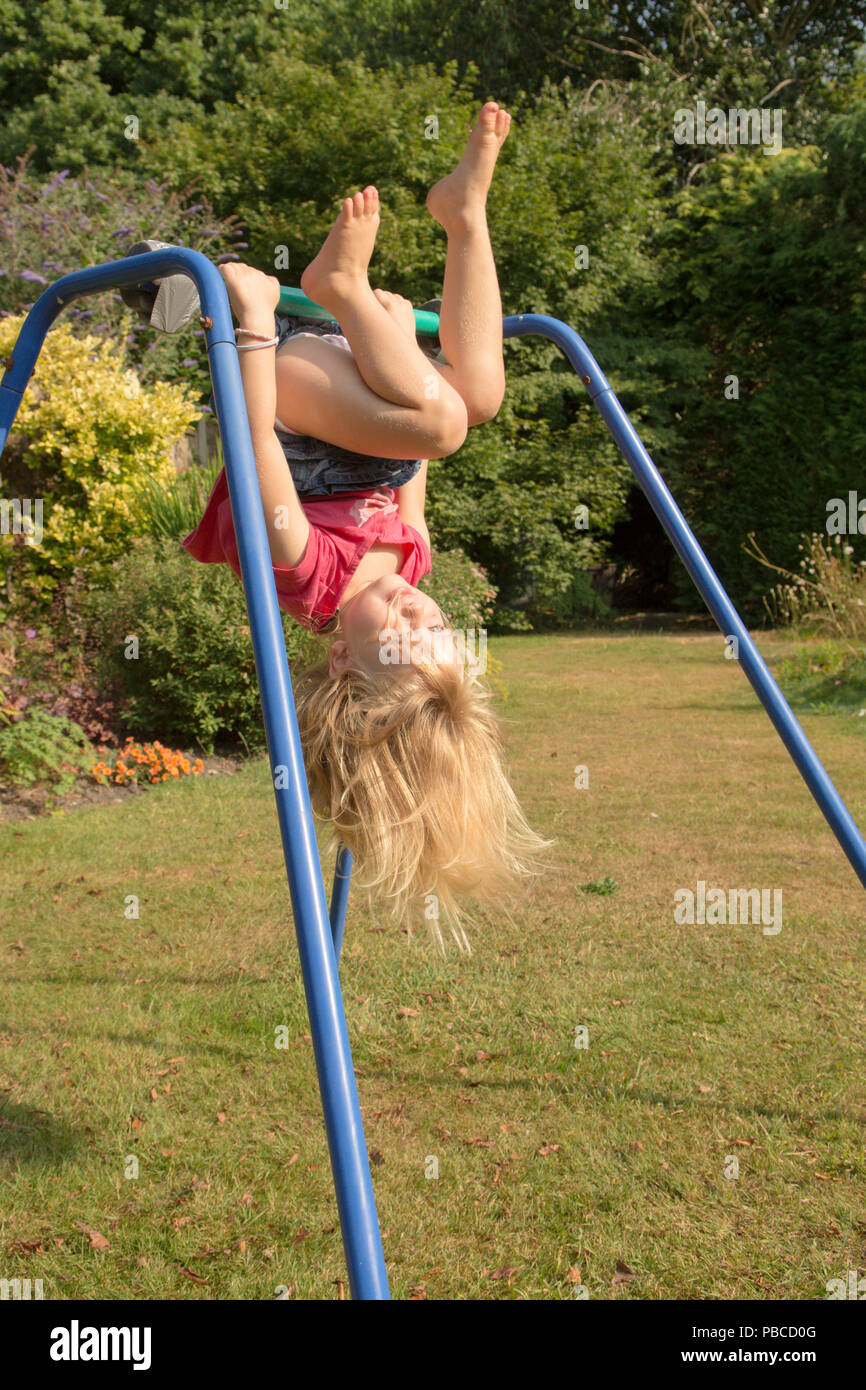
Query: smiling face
(388, 624)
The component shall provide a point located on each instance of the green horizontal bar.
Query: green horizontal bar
(296, 302)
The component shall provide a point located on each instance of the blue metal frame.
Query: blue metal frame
(349, 1160)
(787, 726)
(320, 931)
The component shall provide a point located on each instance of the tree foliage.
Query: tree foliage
(680, 264)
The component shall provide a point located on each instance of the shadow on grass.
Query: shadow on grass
(600, 1091)
(36, 1136)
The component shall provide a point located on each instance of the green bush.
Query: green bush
(174, 633)
(43, 747)
(461, 589)
(172, 509)
(577, 604)
(89, 435)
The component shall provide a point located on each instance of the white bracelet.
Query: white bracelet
(262, 337)
(251, 347)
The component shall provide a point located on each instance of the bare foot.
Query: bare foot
(464, 191)
(400, 310)
(340, 268)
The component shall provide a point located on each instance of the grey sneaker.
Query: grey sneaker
(166, 304)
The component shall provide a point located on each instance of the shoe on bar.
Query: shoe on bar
(167, 304)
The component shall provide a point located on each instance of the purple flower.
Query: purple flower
(123, 231)
(31, 632)
(189, 362)
(243, 245)
(58, 178)
(31, 275)
(226, 257)
(196, 207)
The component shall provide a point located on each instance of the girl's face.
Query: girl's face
(391, 624)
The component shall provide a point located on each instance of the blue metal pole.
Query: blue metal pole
(682, 538)
(349, 1160)
(340, 897)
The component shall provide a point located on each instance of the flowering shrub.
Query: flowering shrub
(93, 435)
(43, 667)
(149, 762)
(827, 597)
(54, 224)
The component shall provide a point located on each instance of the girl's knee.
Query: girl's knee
(448, 425)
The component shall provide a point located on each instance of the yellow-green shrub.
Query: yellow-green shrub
(88, 435)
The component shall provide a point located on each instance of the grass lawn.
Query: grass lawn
(149, 1043)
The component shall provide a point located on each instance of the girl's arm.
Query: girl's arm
(254, 298)
(410, 501)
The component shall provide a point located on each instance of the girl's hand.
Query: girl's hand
(251, 292)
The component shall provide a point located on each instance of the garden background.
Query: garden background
(708, 1143)
(238, 129)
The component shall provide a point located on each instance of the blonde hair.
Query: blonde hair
(406, 769)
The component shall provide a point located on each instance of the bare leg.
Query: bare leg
(391, 365)
(470, 320)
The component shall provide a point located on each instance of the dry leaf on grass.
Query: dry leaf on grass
(97, 1239)
(623, 1274)
(405, 1012)
(507, 1272)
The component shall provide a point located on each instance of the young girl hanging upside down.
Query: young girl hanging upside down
(403, 757)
